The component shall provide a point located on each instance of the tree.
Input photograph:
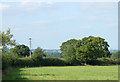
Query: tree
(6, 40)
(21, 50)
(69, 54)
(37, 56)
(64, 45)
(91, 48)
(68, 51)
(38, 53)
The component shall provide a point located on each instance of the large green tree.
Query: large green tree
(65, 45)
(21, 50)
(91, 48)
(68, 51)
(69, 54)
(6, 40)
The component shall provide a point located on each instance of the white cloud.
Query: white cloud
(86, 27)
(66, 0)
(46, 22)
(64, 19)
(41, 22)
(100, 18)
(35, 5)
(4, 6)
(50, 3)
(18, 29)
(25, 2)
(92, 18)
(111, 25)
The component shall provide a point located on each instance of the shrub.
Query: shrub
(7, 60)
(103, 61)
(24, 62)
(117, 61)
(30, 62)
(49, 61)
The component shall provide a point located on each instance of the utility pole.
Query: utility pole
(30, 47)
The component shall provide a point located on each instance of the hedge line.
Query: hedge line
(8, 60)
(29, 62)
(53, 62)
(104, 61)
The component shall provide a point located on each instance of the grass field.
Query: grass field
(64, 73)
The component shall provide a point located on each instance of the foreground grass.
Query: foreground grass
(65, 73)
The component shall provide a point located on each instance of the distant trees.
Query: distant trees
(21, 50)
(116, 55)
(89, 48)
(53, 54)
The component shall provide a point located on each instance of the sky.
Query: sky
(49, 24)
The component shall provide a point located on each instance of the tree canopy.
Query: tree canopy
(21, 50)
(6, 40)
(38, 53)
(89, 48)
(65, 45)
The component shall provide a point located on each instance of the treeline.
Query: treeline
(90, 50)
(53, 53)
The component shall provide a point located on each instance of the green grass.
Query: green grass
(65, 73)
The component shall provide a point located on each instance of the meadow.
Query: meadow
(64, 73)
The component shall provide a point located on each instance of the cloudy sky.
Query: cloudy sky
(51, 23)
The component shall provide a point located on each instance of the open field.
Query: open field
(65, 73)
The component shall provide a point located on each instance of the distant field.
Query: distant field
(65, 73)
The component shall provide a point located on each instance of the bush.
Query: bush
(37, 61)
(102, 61)
(49, 61)
(117, 61)
(7, 60)
(30, 62)
(24, 62)
(106, 61)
